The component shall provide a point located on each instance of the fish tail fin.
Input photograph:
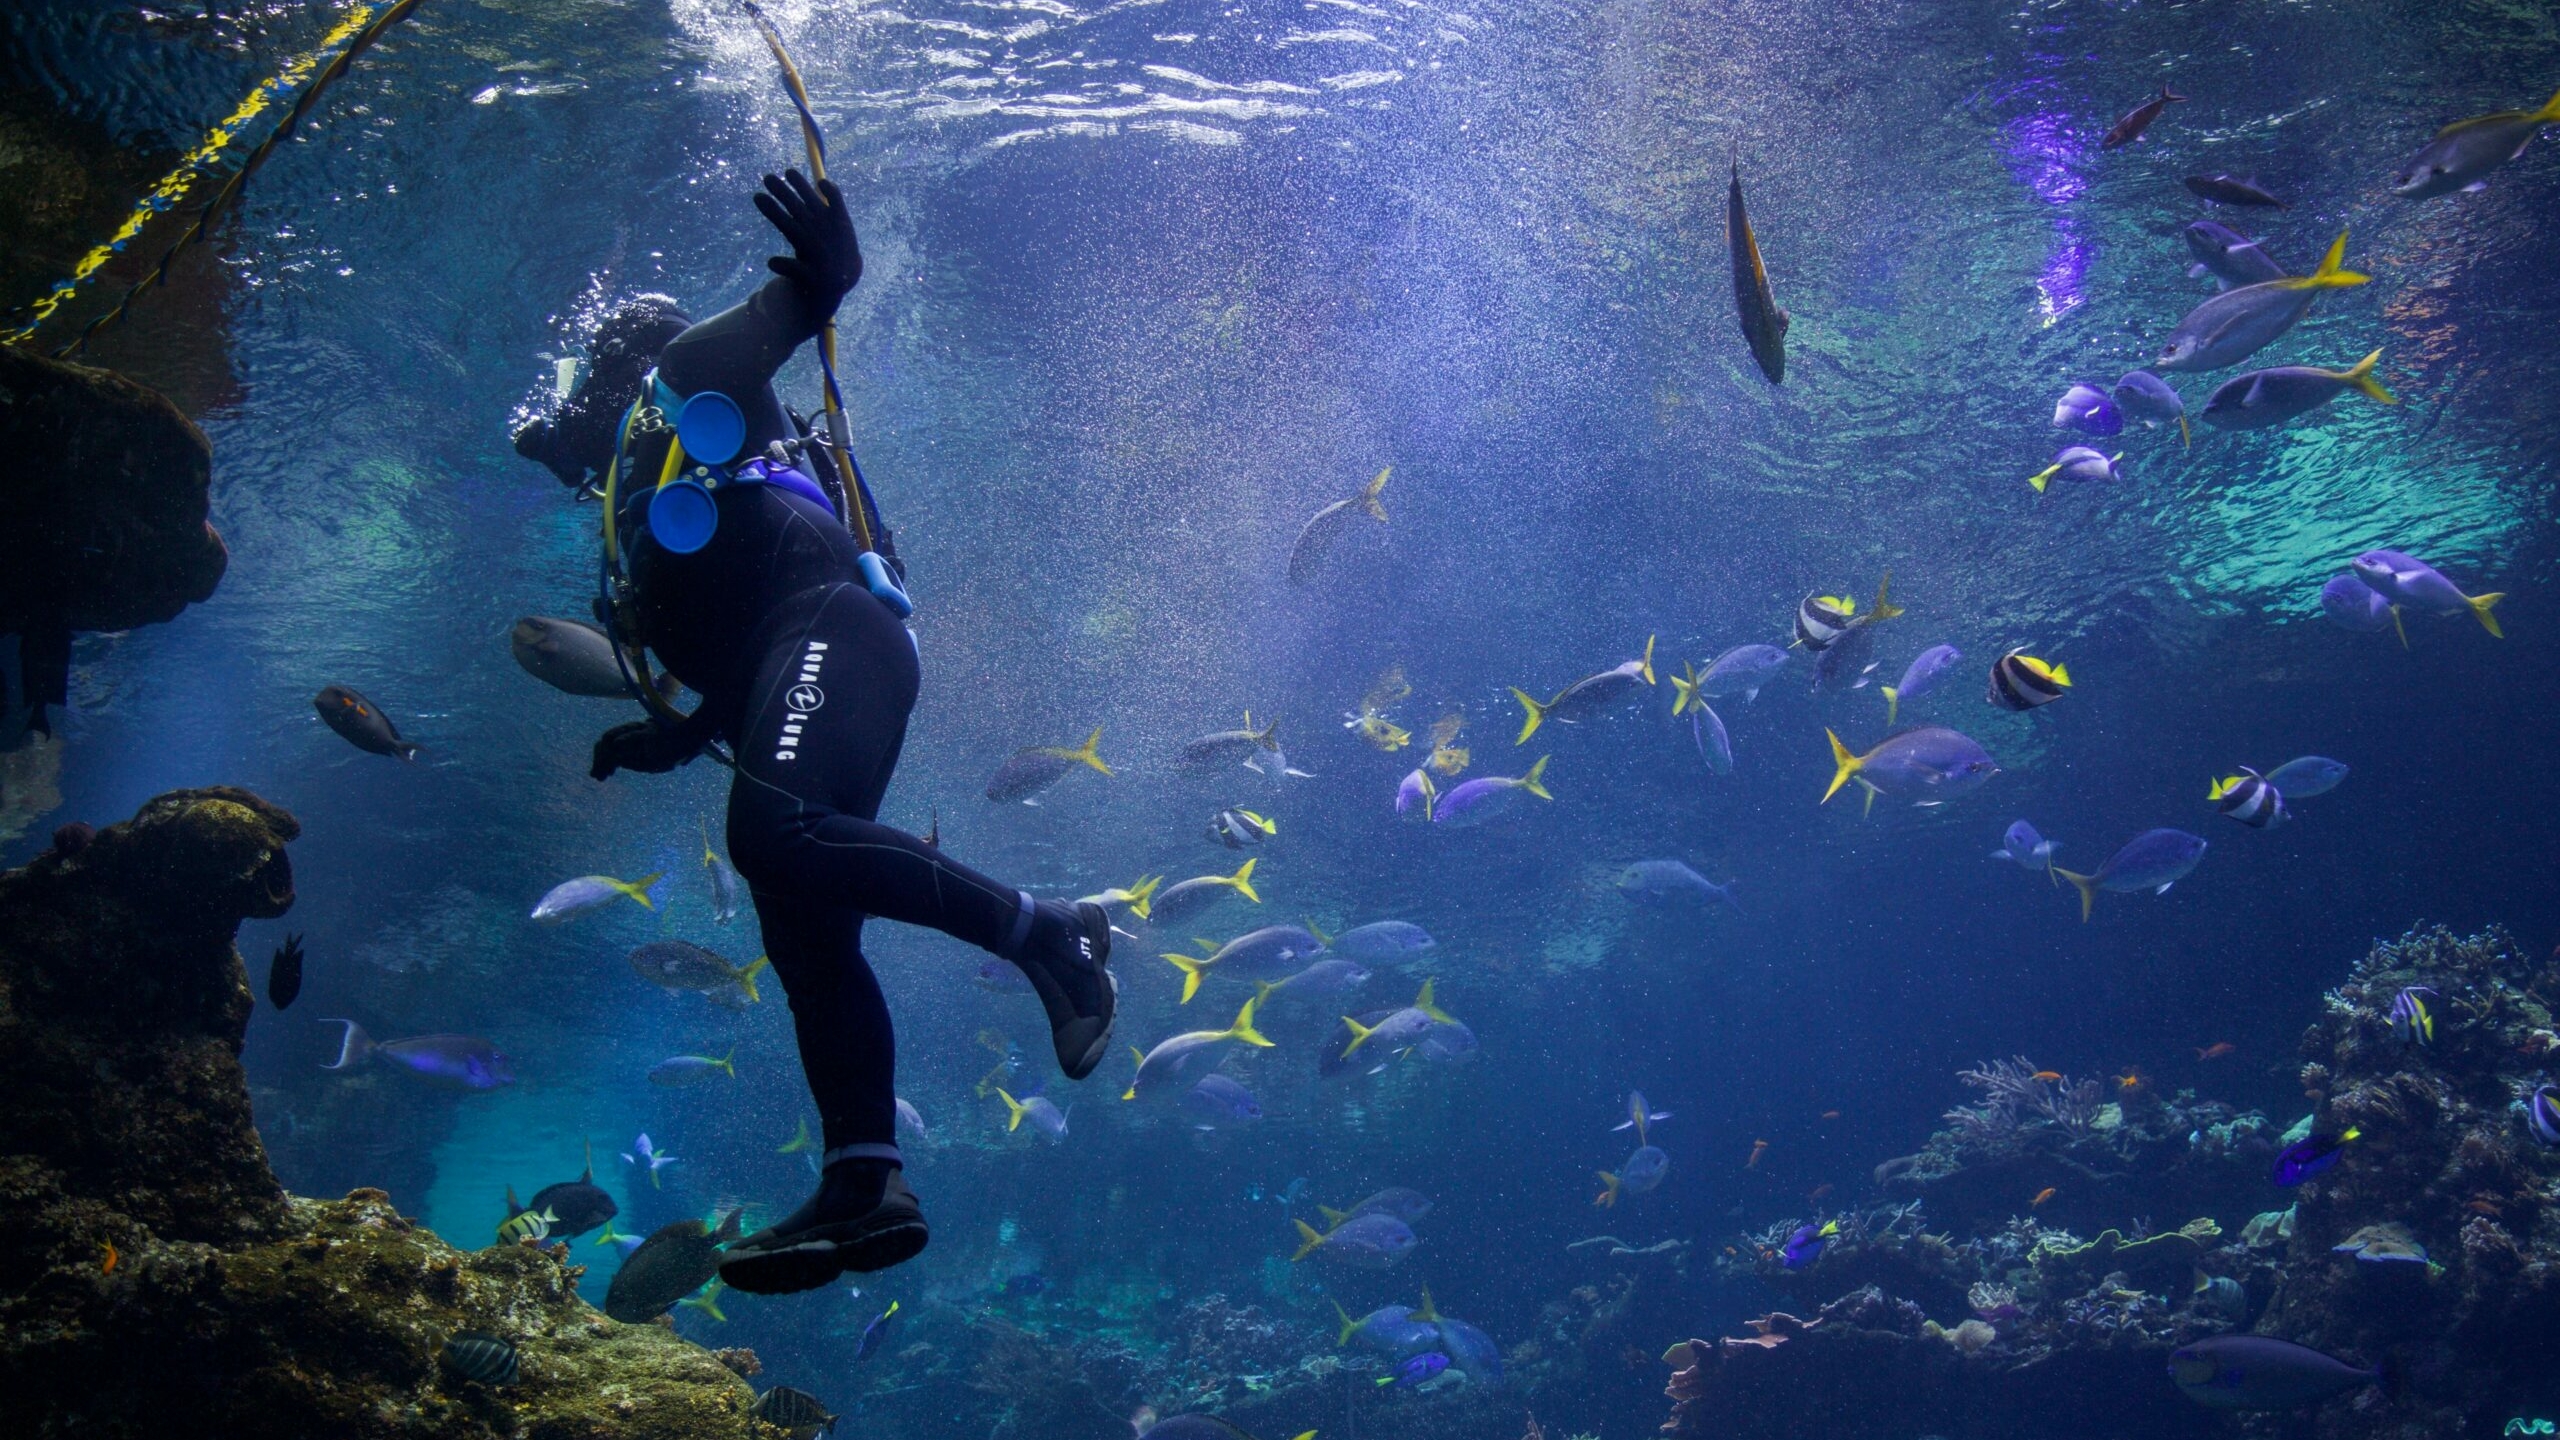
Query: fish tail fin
(2086, 885)
(639, 889)
(1262, 992)
(2186, 435)
(1191, 973)
(1426, 1311)
(2332, 274)
(1142, 895)
(1532, 714)
(1308, 1240)
(354, 1048)
(1348, 1325)
(1369, 497)
(747, 978)
(408, 752)
(1332, 1217)
(1089, 752)
(1242, 880)
(2482, 605)
(2549, 114)
(1359, 1035)
(2168, 94)
(2221, 787)
(1845, 765)
(1892, 704)
(1321, 938)
(1014, 1111)
(1141, 1057)
(1684, 688)
(1885, 608)
(1608, 1196)
(1648, 659)
(1533, 783)
(1243, 1028)
(1424, 1003)
(2360, 375)
(799, 1139)
(2044, 477)
(1269, 825)
(2400, 626)
(1262, 737)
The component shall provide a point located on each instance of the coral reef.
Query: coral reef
(155, 1275)
(2431, 1249)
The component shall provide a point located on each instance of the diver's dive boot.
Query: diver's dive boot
(829, 1236)
(1068, 961)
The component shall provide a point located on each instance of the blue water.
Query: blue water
(1148, 285)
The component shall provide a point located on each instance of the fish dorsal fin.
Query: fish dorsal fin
(515, 1206)
(1429, 1313)
(588, 1177)
(1423, 1002)
(1332, 1216)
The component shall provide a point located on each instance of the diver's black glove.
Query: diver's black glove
(642, 745)
(825, 261)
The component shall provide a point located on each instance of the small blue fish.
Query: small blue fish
(2404, 579)
(1639, 1118)
(2352, 604)
(2542, 1114)
(2153, 860)
(2412, 1023)
(572, 898)
(1416, 1369)
(2089, 410)
(462, 1062)
(1383, 942)
(1488, 795)
(1931, 765)
(1389, 1329)
(2148, 398)
(1741, 671)
(1921, 677)
(2307, 776)
(2311, 1155)
(1641, 1173)
(2025, 848)
(1706, 731)
(643, 1152)
(1042, 1112)
(874, 1333)
(2080, 465)
(2233, 259)
(728, 892)
(1219, 1099)
(1805, 1246)
(1653, 882)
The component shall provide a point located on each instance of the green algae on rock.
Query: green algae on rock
(154, 1277)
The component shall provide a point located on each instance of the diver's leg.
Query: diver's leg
(823, 726)
(863, 1217)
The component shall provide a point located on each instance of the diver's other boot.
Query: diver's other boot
(863, 1218)
(1067, 958)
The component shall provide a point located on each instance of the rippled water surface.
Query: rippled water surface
(1149, 283)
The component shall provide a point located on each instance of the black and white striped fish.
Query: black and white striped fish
(1822, 619)
(2249, 799)
(478, 1355)
(2020, 681)
(796, 1411)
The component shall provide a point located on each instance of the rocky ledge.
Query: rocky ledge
(155, 1278)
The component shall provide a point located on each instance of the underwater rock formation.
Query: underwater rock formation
(2430, 1250)
(104, 501)
(154, 1277)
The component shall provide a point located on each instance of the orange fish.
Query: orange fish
(2217, 1050)
(2129, 1080)
(1819, 1191)
(108, 1265)
(1830, 1114)
(1758, 1149)
(2049, 1076)
(2041, 1196)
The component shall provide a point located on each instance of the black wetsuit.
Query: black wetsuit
(809, 678)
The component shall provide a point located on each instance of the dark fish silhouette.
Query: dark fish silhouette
(2260, 1372)
(672, 1263)
(577, 1206)
(364, 727)
(1317, 537)
(2138, 119)
(477, 1355)
(795, 1412)
(1764, 325)
(2223, 190)
(284, 975)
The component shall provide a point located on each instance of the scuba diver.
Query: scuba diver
(745, 582)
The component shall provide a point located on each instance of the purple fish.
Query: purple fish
(1486, 796)
(2311, 1155)
(1706, 730)
(2023, 846)
(1931, 764)
(2350, 602)
(1741, 671)
(1922, 676)
(462, 1062)
(1374, 1241)
(2078, 464)
(1218, 1099)
(2147, 398)
(2408, 580)
(1805, 1246)
(2089, 410)
(1417, 1369)
(2153, 860)
(1415, 795)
